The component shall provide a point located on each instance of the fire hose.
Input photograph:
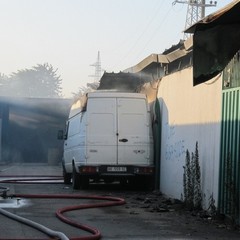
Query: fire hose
(108, 201)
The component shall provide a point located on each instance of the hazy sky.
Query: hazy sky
(69, 33)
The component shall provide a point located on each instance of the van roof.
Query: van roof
(80, 104)
(101, 94)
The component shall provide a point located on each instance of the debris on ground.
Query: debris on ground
(156, 202)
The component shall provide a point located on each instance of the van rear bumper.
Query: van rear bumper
(116, 170)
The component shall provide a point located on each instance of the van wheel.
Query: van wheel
(66, 177)
(76, 180)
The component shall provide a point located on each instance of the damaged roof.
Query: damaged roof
(216, 39)
(168, 56)
(122, 81)
(227, 15)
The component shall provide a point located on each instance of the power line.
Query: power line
(157, 8)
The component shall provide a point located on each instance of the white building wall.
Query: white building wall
(189, 115)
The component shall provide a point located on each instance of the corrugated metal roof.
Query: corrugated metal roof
(170, 55)
(162, 58)
(229, 14)
(144, 63)
(176, 54)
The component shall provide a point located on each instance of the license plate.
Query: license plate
(116, 169)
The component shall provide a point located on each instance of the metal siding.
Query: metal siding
(229, 162)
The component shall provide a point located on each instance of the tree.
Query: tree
(39, 81)
(4, 83)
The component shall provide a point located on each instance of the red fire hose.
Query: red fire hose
(108, 201)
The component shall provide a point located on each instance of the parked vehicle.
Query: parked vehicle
(109, 137)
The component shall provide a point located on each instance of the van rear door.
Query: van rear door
(133, 131)
(101, 131)
(117, 131)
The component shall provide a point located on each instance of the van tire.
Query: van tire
(66, 177)
(76, 179)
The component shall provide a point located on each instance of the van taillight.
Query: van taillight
(88, 169)
(143, 170)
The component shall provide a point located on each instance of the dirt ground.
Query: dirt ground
(190, 224)
(172, 219)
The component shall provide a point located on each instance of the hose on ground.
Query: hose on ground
(95, 233)
(3, 191)
(111, 201)
(35, 225)
(29, 179)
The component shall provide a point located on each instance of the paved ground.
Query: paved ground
(146, 215)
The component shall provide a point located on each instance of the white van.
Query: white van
(109, 137)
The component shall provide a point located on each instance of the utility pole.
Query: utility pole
(98, 69)
(195, 11)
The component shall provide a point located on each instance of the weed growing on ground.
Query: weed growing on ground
(192, 181)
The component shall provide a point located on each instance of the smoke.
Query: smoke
(130, 82)
(121, 81)
(29, 128)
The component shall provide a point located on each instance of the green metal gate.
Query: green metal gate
(230, 139)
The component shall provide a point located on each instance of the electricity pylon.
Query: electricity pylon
(98, 69)
(195, 11)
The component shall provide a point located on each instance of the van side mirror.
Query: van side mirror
(60, 135)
